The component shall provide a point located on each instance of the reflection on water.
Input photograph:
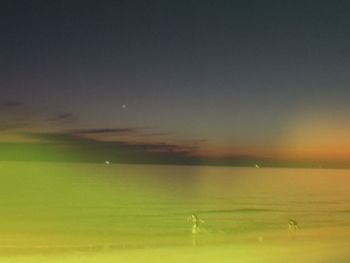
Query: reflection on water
(238, 199)
(82, 205)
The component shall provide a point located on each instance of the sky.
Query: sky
(235, 82)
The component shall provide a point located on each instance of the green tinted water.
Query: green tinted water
(75, 206)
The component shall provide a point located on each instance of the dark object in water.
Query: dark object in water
(293, 225)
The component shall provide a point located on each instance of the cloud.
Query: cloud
(74, 138)
(135, 134)
(107, 131)
(10, 104)
(73, 147)
(66, 117)
(16, 116)
(70, 147)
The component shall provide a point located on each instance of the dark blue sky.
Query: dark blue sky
(237, 76)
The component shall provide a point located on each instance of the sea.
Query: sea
(75, 210)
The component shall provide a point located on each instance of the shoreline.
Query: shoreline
(326, 236)
(288, 252)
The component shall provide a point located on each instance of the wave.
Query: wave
(241, 210)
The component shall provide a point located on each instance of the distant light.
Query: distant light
(107, 162)
(124, 106)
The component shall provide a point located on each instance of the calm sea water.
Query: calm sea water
(58, 205)
(234, 200)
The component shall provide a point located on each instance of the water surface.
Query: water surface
(63, 208)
